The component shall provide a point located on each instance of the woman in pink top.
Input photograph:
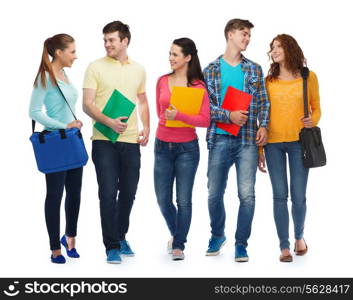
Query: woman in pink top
(176, 148)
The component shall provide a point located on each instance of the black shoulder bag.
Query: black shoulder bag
(310, 138)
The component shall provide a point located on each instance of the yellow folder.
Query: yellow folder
(188, 101)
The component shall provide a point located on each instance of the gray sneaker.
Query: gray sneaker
(178, 256)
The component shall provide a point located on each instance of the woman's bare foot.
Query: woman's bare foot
(170, 246)
(285, 252)
(71, 242)
(286, 256)
(56, 253)
(177, 254)
(300, 247)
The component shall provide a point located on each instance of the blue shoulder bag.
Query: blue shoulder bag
(58, 150)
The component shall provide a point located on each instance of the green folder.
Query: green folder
(117, 106)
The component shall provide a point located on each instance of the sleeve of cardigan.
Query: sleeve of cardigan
(36, 105)
(158, 95)
(314, 98)
(200, 120)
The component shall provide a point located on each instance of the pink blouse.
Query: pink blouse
(179, 134)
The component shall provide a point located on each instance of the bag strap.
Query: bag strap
(66, 102)
(62, 94)
(305, 74)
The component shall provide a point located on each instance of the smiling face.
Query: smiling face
(239, 38)
(113, 45)
(66, 56)
(277, 52)
(177, 59)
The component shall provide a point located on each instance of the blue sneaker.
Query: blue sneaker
(60, 259)
(125, 248)
(214, 245)
(240, 254)
(113, 256)
(71, 253)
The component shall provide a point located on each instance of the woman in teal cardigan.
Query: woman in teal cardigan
(49, 79)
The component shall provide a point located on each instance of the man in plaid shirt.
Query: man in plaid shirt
(225, 149)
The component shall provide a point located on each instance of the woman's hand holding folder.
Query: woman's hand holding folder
(171, 112)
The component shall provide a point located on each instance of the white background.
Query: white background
(322, 30)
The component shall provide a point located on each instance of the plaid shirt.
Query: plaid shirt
(253, 85)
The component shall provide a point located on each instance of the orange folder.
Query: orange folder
(188, 101)
(234, 100)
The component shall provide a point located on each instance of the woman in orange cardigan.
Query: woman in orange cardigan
(284, 86)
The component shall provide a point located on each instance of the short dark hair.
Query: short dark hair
(123, 29)
(236, 24)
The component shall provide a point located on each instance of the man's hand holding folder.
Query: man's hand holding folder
(237, 102)
(239, 117)
(118, 109)
(117, 125)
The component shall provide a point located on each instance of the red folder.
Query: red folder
(234, 100)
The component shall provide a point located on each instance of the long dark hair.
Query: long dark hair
(59, 41)
(194, 72)
(293, 56)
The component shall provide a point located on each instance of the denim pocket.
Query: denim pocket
(158, 145)
(190, 146)
(222, 140)
(134, 149)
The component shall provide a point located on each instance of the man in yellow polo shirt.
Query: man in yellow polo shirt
(117, 164)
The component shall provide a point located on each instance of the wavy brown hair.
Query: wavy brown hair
(293, 55)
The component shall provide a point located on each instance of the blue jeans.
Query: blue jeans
(179, 162)
(226, 152)
(276, 158)
(118, 171)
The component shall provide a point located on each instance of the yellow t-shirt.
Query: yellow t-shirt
(106, 74)
(287, 107)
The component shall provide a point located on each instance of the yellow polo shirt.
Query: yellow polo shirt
(106, 74)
